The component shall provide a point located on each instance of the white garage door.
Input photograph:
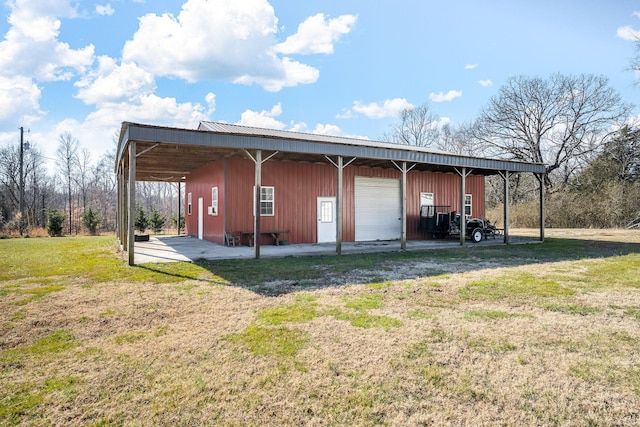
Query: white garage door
(377, 209)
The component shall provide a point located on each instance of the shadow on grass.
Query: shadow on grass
(278, 276)
(156, 270)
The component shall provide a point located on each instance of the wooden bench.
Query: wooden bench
(276, 234)
(230, 239)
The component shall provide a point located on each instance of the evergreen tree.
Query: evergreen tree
(156, 221)
(54, 223)
(141, 221)
(91, 220)
(175, 222)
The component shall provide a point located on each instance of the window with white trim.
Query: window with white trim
(267, 204)
(467, 204)
(214, 201)
(426, 199)
(266, 201)
(189, 200)
(326, 211)
(426, 205)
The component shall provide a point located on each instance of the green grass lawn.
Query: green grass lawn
(540, 334)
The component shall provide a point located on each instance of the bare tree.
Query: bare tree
(418, 126)
(83, 175)
(67, 160)
(104, 190)
(10, 185)
(561, 122)
(459, 139)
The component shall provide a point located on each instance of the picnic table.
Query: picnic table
(276, 234)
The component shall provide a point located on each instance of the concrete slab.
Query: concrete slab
(188, 249)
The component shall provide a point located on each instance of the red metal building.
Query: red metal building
(299, 191)
(308, 188)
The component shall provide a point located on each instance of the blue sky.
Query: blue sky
(339, 67)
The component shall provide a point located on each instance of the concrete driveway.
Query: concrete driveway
(186, 248)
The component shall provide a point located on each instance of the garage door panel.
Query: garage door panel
(377, 209)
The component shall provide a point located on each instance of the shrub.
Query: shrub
(54, 223)
(156, 221)
(141, 221)
(91, 220)
(175, 222)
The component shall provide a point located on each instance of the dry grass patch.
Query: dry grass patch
(524, 335)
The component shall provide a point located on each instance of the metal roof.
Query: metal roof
(302, 136)
(167, 154)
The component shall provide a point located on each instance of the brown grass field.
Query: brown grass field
(527, 335)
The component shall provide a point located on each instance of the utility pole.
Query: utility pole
(23, 146)
(21, 222)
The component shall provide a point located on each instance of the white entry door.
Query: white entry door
(200, 217)
(326, 219)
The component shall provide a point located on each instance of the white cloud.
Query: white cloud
(216, 39)
(298, 127)
(19, 101)
(263, 119)
(105, 10)
(25, 9)
(291, 73)
(110, 82)
(31, 46)
(470, 66)
(485, 83)
(317, 34)
(148, 109)
(31, 53)
(628, 33)
(388, 108)
(327, 129)
(100, 128)
(267, 119)
(442, 97)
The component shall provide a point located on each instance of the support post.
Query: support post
(339, 167)
(131, 203)
(256, 213)
(21, 202)
(119, 204)
(403, 236)
(505, 201)
(463, 219)
(125, 207)
(541, 180)
(178, 222)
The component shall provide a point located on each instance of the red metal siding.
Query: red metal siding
(296, 188)
(199, 184)
(446, 192)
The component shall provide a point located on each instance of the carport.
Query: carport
(155, 153)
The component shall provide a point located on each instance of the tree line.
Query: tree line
(577, 126)
(78, 196)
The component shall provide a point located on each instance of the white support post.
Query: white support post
(463, 219)
(403, 169)
(125, 207)
(541, 180)
(131, 202)
(505, 201)
(179, 207)
(256, 213)
(339, 167)
(403, 236)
